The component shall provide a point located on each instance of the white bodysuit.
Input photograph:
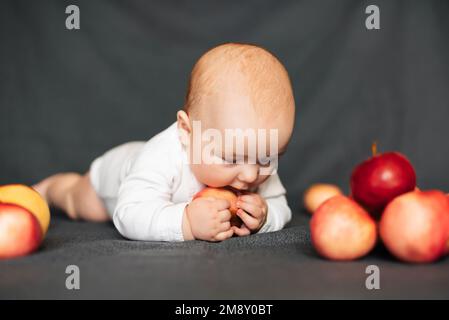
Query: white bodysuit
(145, 187)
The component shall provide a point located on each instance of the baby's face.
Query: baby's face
(235, 169)
(237, 145)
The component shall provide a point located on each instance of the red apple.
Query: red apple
(316, 194)
(226, 194)
(20, 231)
(342, 230)
(380, 179)
(447, 247)
(415, 226)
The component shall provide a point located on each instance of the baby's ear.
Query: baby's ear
(184, 128)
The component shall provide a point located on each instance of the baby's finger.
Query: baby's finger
(242, 231)
(224, 226)
(250, 199)
(224, 235)
(250, 208)
(251, 222)
(224, 215)
(221, 204)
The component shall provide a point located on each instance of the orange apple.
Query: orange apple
(342, 230)
(226, 194)
(20, 232)
(29, 199)
(316, 194)
(415, 226)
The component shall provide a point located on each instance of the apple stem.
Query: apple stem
(374, 148)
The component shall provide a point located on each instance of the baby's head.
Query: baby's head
(238, 116)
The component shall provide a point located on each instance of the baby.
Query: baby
(146, 188)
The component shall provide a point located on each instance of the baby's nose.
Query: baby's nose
(249, 173)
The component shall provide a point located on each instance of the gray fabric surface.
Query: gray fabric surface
(278, 265)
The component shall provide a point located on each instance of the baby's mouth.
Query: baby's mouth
(235, 190)
(239, 190)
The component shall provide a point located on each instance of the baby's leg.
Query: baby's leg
(74, 194)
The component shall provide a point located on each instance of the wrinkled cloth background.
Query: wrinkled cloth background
(68, 96)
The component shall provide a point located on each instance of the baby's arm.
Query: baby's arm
(145, 212)
(278, 213)
(144, 208)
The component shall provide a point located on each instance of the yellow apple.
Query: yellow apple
(29, 199)
(316, 194)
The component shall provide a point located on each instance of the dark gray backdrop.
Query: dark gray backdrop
(67, 96)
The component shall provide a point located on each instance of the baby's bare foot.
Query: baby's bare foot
(42, 187)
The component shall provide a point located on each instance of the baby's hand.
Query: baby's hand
(253, 212)
(209, 219)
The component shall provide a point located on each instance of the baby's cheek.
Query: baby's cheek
(214, 175)
(223, 175)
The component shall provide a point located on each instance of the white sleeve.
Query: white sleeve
(144, 209)
(279, 213)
